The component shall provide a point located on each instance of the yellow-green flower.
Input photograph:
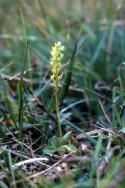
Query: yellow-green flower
(56, 57)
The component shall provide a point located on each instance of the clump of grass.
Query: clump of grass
(57, 55)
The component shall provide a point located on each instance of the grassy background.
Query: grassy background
(93, 85)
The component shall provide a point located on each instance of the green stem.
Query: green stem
(58, 112)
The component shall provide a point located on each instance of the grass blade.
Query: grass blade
(67, 79)
(21, 97)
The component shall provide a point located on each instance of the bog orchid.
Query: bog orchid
(56, 58)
